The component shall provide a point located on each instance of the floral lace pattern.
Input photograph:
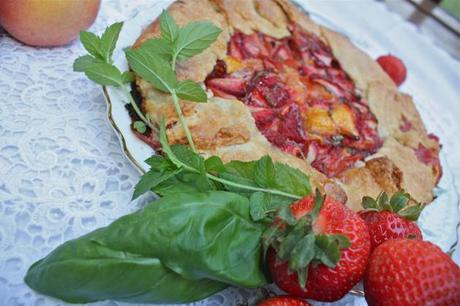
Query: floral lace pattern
(62, 172)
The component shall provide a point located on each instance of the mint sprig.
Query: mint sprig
(181, 169)
(98, 67)
(155, 61)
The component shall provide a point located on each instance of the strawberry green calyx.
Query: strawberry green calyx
(398, 203)
(295, 241)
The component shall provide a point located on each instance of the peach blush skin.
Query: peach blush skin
(47, 23)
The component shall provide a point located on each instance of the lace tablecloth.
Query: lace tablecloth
(62, 172)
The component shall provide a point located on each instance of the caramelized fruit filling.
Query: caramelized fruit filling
(300, 98)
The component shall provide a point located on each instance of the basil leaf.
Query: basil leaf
(152, 68)
(194, 38)
(109, 39)
(168, 27)
(159, 47)
(92, 43)
(104, 74)
(191, 91)
(84, 62)
(85, 271)
(199, 237)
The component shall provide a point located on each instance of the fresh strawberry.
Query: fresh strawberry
(394, 67)
(408, 272)
(283, 300)
(391, 218)
(319, 251)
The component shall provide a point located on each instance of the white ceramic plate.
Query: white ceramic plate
(432, 80)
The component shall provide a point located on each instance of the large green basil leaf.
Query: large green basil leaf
(83, 271)
(198, 235)
(179, 248)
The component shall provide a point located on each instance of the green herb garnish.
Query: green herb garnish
(268, 185)
(155, 61)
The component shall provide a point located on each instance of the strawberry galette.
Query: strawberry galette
(280, 84)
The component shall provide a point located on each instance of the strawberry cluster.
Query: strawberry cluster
(319, 249)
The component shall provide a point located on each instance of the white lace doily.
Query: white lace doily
(62, 172)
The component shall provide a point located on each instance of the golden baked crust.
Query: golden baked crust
(226, 128)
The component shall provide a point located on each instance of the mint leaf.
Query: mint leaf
(240, 168)
(191, 91)
(194, 38)
(152, 68)
(84, 62)
(104, 74)
(258, 203)
(214, 164)
(264, 172)
(168, 27)
(92, 44)
(292, 180)
(189, 158)
(184, 182)
(152, 179)
(127, 77)
(160, 163)
(140, 126)
(160, 47)
(263, 204)
(109, 39)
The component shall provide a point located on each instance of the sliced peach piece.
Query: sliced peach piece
(344, 119)
(319, 122)
(233, 64)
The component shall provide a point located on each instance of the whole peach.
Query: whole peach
(47, 22)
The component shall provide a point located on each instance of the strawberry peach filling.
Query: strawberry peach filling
(300, 98)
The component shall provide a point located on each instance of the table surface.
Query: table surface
(62, 172)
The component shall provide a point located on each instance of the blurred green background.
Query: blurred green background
(452, 6)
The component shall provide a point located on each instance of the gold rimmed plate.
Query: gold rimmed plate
(441, 219)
